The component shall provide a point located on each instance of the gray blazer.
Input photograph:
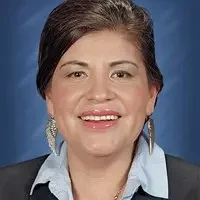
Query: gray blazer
(16, 181)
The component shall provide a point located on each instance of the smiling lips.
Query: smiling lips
(96, 119)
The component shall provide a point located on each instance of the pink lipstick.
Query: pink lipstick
(100, 119)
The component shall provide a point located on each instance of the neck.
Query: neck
(99, 177)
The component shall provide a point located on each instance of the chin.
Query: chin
(101, 150)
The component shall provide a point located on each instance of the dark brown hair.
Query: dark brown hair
(72, 19)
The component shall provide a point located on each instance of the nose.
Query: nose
(100, 90)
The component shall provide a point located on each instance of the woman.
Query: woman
(99, 77)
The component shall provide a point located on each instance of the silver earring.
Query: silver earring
(51, 133)
(151, 132)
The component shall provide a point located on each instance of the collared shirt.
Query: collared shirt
(147, 171)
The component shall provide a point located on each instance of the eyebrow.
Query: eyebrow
(111, 64)
(120, 62)
(74, 62)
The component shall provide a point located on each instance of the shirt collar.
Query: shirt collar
(149, 171)
(52, 167)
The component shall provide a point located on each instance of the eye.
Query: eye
(77, 74)
(122, 74)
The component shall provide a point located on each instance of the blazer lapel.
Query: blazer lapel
(42, 192)
(139, 197)
(142, 195)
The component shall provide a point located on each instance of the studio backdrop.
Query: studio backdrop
(23, 113)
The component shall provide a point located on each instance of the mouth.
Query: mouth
(100, 122)
(99, 118)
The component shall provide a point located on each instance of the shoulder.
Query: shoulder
(175, 162)
(183, 177)
(24, 165)
(179, 167)
(17, 179)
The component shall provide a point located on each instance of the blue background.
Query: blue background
(23, 113)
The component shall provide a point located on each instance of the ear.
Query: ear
(153, 93)
(49, 102)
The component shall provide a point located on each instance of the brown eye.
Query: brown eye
(122, 74)
(77, 74)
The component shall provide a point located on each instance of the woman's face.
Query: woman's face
(100, 95)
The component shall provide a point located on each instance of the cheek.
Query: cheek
(136, 99)
(64, 97)
(64, 102)
(136, 109)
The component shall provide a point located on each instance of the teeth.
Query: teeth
(99, 118)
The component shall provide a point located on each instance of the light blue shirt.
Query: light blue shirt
(147, 171)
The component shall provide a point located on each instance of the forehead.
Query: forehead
(102, 47)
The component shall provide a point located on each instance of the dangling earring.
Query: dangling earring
(51, 133)
(151, 132)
